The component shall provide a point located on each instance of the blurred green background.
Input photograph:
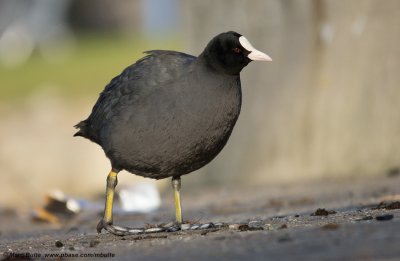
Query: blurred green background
(326, 107)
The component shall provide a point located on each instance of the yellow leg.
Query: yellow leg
(176, 185)
(108, 214)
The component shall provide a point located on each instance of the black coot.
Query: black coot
(169, 113)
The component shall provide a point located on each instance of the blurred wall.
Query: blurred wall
(328, 104)
(102, 15)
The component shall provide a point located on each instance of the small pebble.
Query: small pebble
(255, 224)
(58, 243)
(385, 217)
(93, 243)
(323, 212)
(283, 226)
(244, 227)
(274, 226)
(268, 226)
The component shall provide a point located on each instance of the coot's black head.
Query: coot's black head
(230, 52)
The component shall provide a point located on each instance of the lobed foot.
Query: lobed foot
(169, 227)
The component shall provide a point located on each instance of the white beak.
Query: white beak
(254, 54)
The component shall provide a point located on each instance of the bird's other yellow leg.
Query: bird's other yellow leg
(176, 186)
(107, 219)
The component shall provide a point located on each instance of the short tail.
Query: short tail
(82, 126)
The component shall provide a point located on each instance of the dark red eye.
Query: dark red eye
(237, 50)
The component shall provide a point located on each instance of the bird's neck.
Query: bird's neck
(204, 64)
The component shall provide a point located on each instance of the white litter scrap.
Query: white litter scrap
(141, 197)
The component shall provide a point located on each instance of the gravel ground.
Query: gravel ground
(320, 220)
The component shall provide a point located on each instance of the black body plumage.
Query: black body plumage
(169, 113)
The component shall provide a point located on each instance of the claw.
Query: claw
(102, 225)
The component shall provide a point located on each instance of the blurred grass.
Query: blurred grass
(94, 61)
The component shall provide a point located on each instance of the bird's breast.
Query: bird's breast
(206, 119)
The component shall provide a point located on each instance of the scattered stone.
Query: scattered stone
(274, 226)
(330, 226)
(384, 217)
(72, 248)
(93, 243)
(252, 225)
(243, 227)
(58, 243)
(267, 226)
(240, 227)
(323, 212)
(283, 226)
(256, 225)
